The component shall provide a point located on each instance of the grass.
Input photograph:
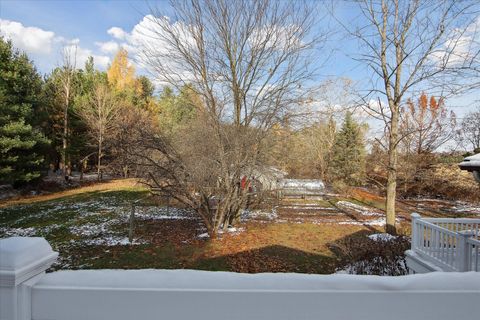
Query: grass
(70, 219)
(262, 248)
(82, 192)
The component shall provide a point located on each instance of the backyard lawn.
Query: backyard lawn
(89, 227)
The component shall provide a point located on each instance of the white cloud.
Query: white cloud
(117, 33)
(374, 108)
(144, 42)
(109, 47)
(148, 48)
(81, 55)
(75, 41)
(29, 39)
(45, 47)
(143, 34)
(277, 37)
(460, 46)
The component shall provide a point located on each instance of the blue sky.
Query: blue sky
(89, 21)
(41, 28)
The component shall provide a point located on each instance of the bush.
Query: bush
(362, 255)
(339, 186)
(446, 182)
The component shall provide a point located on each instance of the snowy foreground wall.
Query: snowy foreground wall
(26, 292)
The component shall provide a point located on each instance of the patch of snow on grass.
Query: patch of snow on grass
(465, 208)
(91, 229)
(303, 207)
(259, 214)
(233, 230)
(112, 241)
(376, 222)
(302, 183)
(163, 213)
(18, 232)
(365, 211)
(382, 237)
(27, 232)
(230, 230)
(203, 235)
(301, 204)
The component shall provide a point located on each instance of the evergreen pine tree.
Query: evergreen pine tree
(348, 158)
(21, 144)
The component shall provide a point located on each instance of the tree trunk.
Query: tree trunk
(99, 163)
(64, 140)
(212, 234)
(131, 225)
(81, 170)
(235, 219)
(392, 172)
(390, 202)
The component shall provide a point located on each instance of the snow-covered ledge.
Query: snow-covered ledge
(23, 262)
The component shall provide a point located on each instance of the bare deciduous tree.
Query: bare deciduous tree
(470, 129)
(250, 63)
(67, 74)
(99, 112)
(408, 44)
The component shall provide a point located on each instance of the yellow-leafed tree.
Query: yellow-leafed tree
(121, 73)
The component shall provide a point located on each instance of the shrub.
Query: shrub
(339, 186)
(446, 182)
(363, 255)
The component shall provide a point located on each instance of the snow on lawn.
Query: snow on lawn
(376, 222)
(49, 210)
(364, 211)
(92, 229)
(447, 206)
(93, 221)
(307, 207)
(382, 237)
(230, 230)
(18, 232)
(102, 231)
(302, 184)
(304, 204)
(162, 213)
(465, 208)
(259, 214)
(28, 232)
(112, 241)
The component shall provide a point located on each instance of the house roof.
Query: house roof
(471, 163)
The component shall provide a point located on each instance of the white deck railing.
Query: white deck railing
(473, 259)
(27, 293)
(449, 243)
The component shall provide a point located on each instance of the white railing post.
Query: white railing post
(463, 250)
(23, 262)
(415, 217)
